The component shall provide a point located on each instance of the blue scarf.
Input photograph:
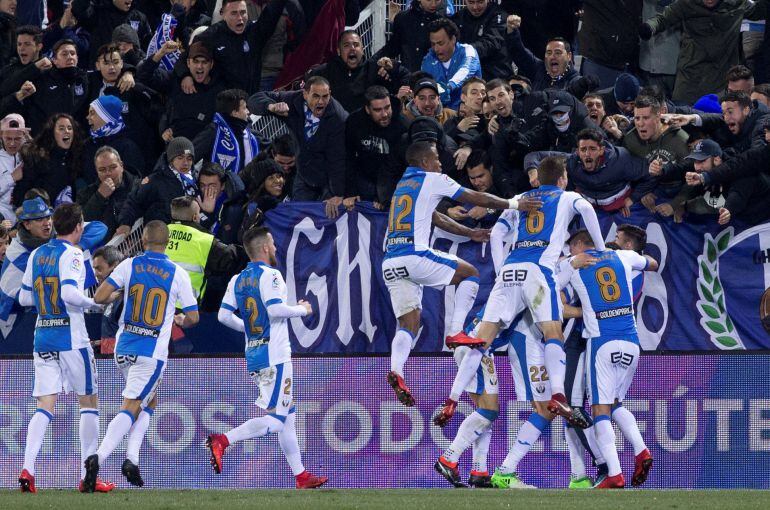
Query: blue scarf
(109, 129)
(163, 34)
(226, 151)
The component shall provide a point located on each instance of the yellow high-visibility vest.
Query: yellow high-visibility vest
(189, 248)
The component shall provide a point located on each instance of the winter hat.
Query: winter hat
(626, 88)
(109, 109)
(124, 33)
(258, 171)
(708, 104)
(179, 146)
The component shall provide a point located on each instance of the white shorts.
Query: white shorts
(142, 374)
(276, 388)
(610, 369)
(405, 276)
(527, 357)
(523, 286)
(486, 376)
(57, 371)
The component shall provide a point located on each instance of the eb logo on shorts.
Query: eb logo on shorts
(122, 359)
(396, 273)
(49, 356)
(515, 276)
(623, 358)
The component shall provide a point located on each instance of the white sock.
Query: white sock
(465, 296)
(470, 429)
(576, 453)
(605, 438)
(480, 451)
(287, 438)
(35, 435)
(555, 364)
(630, 429)
(590, 434)
(116, 430)
(136, 434)
(528, 433)
(89, 436)
(399, 350)
(466, 371)
(255, 427)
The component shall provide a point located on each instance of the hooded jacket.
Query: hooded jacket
(752, 133)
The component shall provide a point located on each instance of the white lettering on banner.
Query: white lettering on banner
(182, 414)
(759, 425)
(722, 408)
(689, 418)
(389, 444)
(316, 285)
(363, 435)
(345, 268)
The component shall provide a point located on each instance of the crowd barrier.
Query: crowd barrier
(706, 420)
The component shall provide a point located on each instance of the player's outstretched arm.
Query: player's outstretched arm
(588, 214)
(447, 224)
(493, 202)
(229, 319)
(187, 319)
(105, 293)
(72, 296)
(284, 311)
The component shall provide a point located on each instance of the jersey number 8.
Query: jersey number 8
(535, 222)
(608, 284)
(149, 307)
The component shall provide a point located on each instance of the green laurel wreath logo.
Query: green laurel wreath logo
(711, 305)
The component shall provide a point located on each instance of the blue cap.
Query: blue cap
(705, 149)
(34, 209)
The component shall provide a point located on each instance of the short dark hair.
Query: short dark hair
(762, 88)
(444, 24)
(417, 152)
(739, 72)
(470, 81)
(496, 83)
(550, 170)
(225, 2)
(592, 95)
(229, 100)
(562, 40)
(32, 31)
(180, 208)
(251, 235)
(638, 234)
(315, 80)
(647, 102)
(581, 235)
(60, 43)
(374, 93)
(590, 134)
(210, 169)
(107, 49)
(742, 98)
(479, 157)
(285, 145)
(66, 218)
(111, 255)
(519, 77)
(655, 91)
(346, 32)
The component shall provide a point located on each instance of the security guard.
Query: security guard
(196, 250)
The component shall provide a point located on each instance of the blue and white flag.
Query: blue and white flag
(163, 34)
(227, 152)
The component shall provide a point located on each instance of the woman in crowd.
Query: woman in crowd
(267, 189)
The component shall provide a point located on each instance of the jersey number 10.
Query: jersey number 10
(149, 307)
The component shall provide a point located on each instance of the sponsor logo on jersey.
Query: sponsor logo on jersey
(615, 312)
(532, 244)
(53, 323)
(140, 330)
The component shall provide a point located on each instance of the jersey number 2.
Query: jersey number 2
(253, 309)
(149, 307)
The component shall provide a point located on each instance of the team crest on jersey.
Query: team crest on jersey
(76, 264)
(245, 46)
(134, 24)
(79, 90)
(276, 283)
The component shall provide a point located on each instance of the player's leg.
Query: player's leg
(602, 382)
(130, 467)
(408, 330)
(466, 278)
(36, 428)
(574, 347)
(506, 476)
(479, 476)
(472, 428)
(287, 438)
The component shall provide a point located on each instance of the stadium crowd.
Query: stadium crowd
(143, 109)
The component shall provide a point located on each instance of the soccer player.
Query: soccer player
(410, 263)
(259, 293)
(63, 357)
(605, 290)
(633, 238)
(526, 281)
(151, 285)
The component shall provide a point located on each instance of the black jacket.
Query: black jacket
(204, 141)
(100, 17)
(13, 76)
(186, 114)
(372, 156)
(750, 163)
(321, 160)
(410, 39)
(533, 67)
(58, 91)
(152, 200)
(239, 56)
(130, 153)
(752, 132)
(349, 85)
(52, 174)
(486, 34)
(97, 208)
(7, 38)
(608, 35)
(224, 217)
